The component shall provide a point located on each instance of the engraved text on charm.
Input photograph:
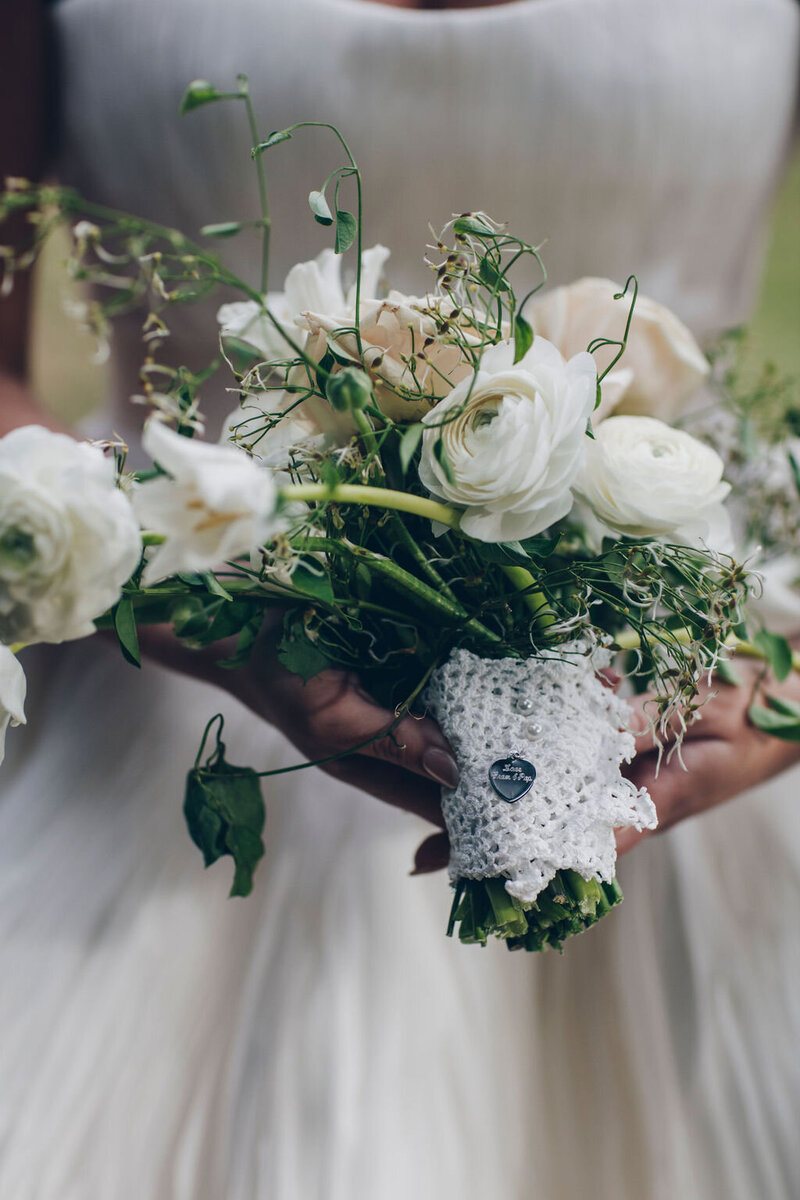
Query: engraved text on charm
(512, 778)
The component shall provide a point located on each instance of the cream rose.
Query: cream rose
(68, 536)
(12, 695)
(214, 504)
(395, 333)
(646, 479)
(314, 286)
(513, 440)
(662, 364)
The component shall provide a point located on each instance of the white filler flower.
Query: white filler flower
(512, 441)
(314, 286)
(68, 536)
(215, 504)
(662, 364)
(12, 695)
(646, 479)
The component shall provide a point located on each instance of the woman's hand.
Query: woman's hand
(405, 764)
(723, 753)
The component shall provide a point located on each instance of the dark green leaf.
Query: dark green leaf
(222, 230)
(300, 656)
(795, 470)
(225, 813)
(346, 230)
(523, 338)
(777, 724)
(215, 587)
(490, 275)
(311, 578)
(319, 207)
(125, 629)
(198, 93)
(776, 651)
(440, 454)
(244, 644)
(412, 436)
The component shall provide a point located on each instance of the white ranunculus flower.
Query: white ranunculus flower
(314, 286)
(215, 504)
(777, 602)
(645, 479)
(12, 695)
(68, 536)
(662, 364)
(394, 332)
(513, 440)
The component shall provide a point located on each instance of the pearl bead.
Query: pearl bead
(534, 729)
(524, 705)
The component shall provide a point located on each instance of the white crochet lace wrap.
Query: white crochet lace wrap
(555, 713)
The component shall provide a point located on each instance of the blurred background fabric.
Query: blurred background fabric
(70, 383)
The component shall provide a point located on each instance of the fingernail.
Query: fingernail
(441, 766)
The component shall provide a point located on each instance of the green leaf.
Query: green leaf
(319, 207)
(215, 587)
(125, 629)
(277, 136)
(244, 644)
(490, 275)
(795, 470)
(311, 578)
(440, 454)
(346, 230)
(300, 656)
(412, 436)
(776, 651)
(471, 226)
(787, 707)
(777, 724)
(724, 671)
(225, 814)
(198, 93)
(523, 338)
(222, 230)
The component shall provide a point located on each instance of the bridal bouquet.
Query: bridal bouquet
(475, 498)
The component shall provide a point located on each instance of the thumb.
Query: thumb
(415, 743)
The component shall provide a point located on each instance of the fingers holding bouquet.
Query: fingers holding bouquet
(723, 752)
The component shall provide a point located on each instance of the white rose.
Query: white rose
(662, 364)
(645, 479)
(513, 440)
(68, 536)
(314, 286)
(12, 695)
(395, 332)
(215, 504)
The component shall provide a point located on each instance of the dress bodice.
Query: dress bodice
(629, 135)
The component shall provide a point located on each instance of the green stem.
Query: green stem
(262, 185)
(535, 600)
(629, 640)
(357, 493)
(406, 582)
(421, 559)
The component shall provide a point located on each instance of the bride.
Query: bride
(322, 1039)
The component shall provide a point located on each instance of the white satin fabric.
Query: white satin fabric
(322, 1040)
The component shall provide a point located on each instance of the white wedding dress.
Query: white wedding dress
(322, 1040)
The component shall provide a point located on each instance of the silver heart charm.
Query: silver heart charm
(512, 778)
